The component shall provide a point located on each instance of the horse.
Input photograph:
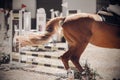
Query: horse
(79, 30)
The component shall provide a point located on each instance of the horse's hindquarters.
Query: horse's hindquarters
(104, 60)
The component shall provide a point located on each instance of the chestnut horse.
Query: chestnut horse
(79, 30)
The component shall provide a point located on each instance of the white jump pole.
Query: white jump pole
(2, 24)
(52, 13)
(11, 36)
(19, 29)
(27, 21)
(2, 21)
(41, 20)
(20, 21)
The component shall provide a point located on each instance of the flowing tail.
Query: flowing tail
(52, 27)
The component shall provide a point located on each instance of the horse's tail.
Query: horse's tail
(52, 27)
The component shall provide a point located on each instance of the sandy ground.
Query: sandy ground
(104, 60)
(24, 75)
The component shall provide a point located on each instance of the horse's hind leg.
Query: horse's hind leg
(76, 53)
(73, 55)
(75, 61)
(65, 58)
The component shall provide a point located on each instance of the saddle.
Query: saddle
(109, 17)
